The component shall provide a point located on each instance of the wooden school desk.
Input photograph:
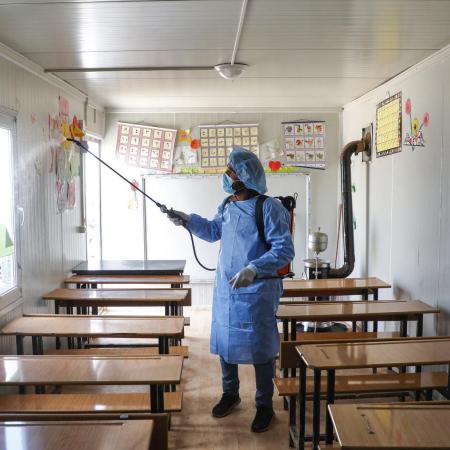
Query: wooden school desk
(384, 426)
(333, 286)
(130, 267)
(357, 355)
(156, 371)
(386, 310)
(91, 281)
(86, 435)
(38, 326)
(172, 299)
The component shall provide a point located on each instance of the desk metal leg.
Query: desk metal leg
(19, 345)
(285, 371)
(330, 400)
(19, 349)
(365, 297)
(157, 398)
(419, 333)
(316, 410)
(163, 345)
(34, 345)
(302, 406)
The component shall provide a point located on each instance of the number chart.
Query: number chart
(217, 142)
(304, 143)
(146, 146)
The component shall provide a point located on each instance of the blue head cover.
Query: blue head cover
(249, 169)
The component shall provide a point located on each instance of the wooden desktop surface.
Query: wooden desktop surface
(90, 370)
(128, 279)
(323, 311)
(95, 326)
(377, 427)
(376, 354)
(119, 297)
(130, 267)
(331, 286)
(74, 435)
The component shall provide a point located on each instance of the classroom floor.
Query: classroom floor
(195, 428)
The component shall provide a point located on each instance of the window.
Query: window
(8, 244)
(92, 199)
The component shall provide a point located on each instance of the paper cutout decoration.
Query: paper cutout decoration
(415, 139)
(185, 153)
(146, 146)
(304, 143)
(217, 142)
(388, 134)
(6, 243)
(274, 166)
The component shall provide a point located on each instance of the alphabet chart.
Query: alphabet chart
(388, 137)
(304, 143)
(146, 146)
(217, 142)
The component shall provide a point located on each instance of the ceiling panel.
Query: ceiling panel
(350, 24)
(301, 53)
(114, 26)
(213, 92)
(262, 64)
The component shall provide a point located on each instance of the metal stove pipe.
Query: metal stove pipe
(351, 148)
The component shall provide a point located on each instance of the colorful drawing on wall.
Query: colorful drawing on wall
(414, 137)
(186, 148)
(304, 143)
(388, 135)
(64, 158)
(146, 146)
(217, 142)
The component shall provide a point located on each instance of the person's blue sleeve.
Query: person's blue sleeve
(208, 230)
(278, 236)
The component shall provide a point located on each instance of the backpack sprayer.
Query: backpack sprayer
(163, 208)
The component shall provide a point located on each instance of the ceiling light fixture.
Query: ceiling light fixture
(231, 71)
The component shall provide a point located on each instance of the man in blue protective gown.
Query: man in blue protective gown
(247, 289)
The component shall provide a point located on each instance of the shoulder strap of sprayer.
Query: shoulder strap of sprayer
(288, 202)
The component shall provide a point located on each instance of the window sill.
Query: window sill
(10, 300)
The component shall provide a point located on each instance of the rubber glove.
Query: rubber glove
(243, 278)
(178, 218)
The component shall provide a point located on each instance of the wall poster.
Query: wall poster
(146, 146)
(304, 143)
(217, 142)
(388, 134)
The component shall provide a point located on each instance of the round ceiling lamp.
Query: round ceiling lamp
(231, 71)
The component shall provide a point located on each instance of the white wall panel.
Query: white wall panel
(49, 245)
(408, 201)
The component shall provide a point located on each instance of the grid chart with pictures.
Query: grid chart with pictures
(388, 138)
(217, 142)
(145, 146)
(304, 143)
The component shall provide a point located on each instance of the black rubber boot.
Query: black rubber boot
(227, 403)
(263, 417)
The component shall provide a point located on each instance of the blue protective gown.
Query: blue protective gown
(244, 327)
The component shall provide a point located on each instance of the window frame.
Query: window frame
(12, 296)
(91, 137)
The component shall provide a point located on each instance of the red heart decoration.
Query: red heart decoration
(274, 165)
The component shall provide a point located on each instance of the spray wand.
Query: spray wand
(163, 208)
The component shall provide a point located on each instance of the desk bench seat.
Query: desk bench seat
(368, 383)
(87, 403)
(181, 350)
